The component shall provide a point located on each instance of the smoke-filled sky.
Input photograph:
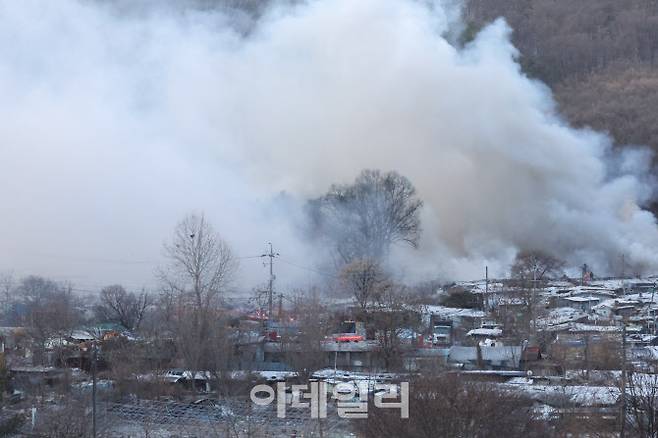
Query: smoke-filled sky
(117, 118)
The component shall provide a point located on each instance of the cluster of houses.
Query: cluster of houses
(545, 342)
(496, 336)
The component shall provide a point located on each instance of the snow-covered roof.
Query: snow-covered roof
(576, 327)
(618, 303)
(560, 283)
(649, 352)
(451, 312)
(327, 373)
(618, 283)
(485, 332)
(627, 302)
(81, 335)
(561, 315)
(175, 375)
(580, 299)
(593, 289)
(579, 395)
(510, 301)
(642, 337)
(579, 327)
(278, 376)
(520, 381)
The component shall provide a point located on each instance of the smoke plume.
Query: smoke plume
(118, 118)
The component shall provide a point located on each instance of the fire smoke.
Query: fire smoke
(118, 118)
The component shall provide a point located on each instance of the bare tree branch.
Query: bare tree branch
(363, 219)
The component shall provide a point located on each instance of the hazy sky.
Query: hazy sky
(115, 122)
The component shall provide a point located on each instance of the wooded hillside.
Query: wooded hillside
(599, 57)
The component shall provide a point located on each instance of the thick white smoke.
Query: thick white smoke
(117, 121)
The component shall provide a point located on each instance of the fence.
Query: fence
(155, 419)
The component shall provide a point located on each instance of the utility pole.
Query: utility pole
(486, 286)
(280, 306)
(270, 290)
(623, 273)
(94, 358)
(622, 431)
(653, 314)
(534, 300)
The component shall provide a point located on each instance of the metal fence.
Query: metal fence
(235, 418)
(150, 418)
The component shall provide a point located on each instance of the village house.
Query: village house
(582, 303)
(450, 324)
(485, 357)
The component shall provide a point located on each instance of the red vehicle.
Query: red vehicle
(350, 331)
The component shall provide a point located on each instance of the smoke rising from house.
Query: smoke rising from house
(118, 119)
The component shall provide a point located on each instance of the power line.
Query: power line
(89, 287)
(63, 257)
(307, 268)
(75, 289)
(108, 261)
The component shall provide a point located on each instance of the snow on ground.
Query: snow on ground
(579, 395)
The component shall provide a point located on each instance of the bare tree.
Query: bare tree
(363, 219)
(201, 263)
(125, 308)
(307, 354)
(390, 317)
(70, 417)
(222, 356)
(201, 268)
(426, 292)
(535, 266)
(7, 284)
(50, 309)
(529, 272)
(642, 396)
(467, 409)
(364, 279)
